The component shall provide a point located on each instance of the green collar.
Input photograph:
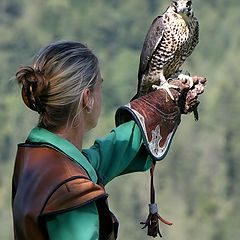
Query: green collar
(41, 135)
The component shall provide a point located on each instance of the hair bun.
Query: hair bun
(34, 85)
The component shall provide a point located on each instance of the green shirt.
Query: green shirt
(116, 154)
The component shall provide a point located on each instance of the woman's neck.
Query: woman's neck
(72, 134)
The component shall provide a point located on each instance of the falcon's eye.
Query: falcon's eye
(189, 3)
(175, 3)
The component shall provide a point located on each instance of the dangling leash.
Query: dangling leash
(152, 221)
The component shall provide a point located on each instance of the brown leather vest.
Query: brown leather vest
(46, 182)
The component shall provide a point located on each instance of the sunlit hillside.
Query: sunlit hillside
(198, 182)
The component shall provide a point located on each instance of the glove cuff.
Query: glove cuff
(157, 119)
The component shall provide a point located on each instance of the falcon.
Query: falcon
(171, 38)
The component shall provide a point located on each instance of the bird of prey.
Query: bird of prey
(171, 38)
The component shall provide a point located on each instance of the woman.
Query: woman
(58, 188)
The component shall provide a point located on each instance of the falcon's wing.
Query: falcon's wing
(151, 42)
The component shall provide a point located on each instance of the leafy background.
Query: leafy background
(198, 182)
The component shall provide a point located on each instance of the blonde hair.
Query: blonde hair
(53, 86)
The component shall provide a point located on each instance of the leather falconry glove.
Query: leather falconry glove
(158, 117)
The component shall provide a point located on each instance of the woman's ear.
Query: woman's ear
(87, 100)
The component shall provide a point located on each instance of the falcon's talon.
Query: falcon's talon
(166, 86)
(186, 77)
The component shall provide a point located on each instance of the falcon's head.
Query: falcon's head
(182, 7)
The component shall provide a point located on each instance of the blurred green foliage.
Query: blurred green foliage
(198, 182)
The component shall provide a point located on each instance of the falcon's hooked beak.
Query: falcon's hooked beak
(186, 10)
(183, 7)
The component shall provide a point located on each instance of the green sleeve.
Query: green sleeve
(118, 153)
(79, 224)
